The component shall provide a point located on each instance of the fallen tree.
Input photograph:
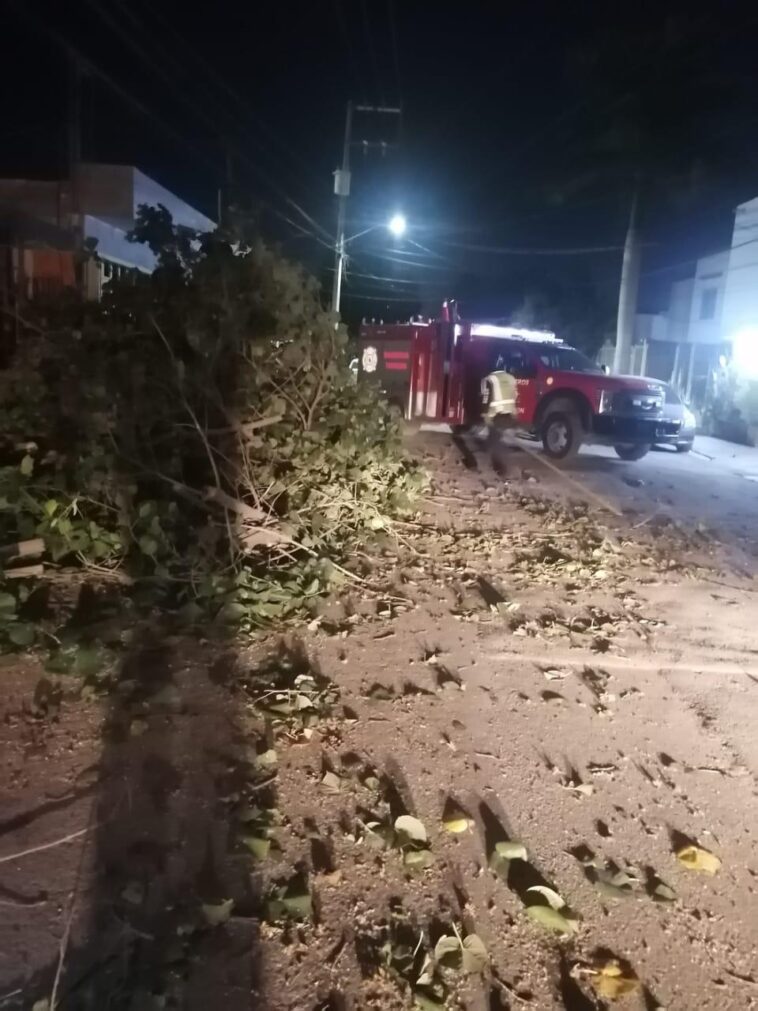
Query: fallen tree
(197, 435)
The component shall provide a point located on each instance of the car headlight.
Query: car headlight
(690, 421)
(606, 402)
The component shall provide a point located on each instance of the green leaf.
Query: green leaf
(27, 466)
(427, 1003)
(21, 634)
(7, 602)
(553, 898)
(233, 611)
(148, 545)
(551, 919)
(448, 951)
(475, 955)
(266, 759)
(663, 892)
(89, 661)
(418, 859)
(411, 828)
(61, 661)
(511, 850)
(331, 782)
(219, 913)
(298, 907)
(258, 846)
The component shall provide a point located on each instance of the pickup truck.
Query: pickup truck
(567, 400)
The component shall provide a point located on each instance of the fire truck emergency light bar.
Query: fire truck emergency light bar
(490, 330)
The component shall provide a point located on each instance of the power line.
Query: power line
(640, 81)
(129, 98)
(221, 83)
(395, 49)
(357, 77)
(379, 278)
(534, 251)
(372, 54)
(211, 119)
(406, 263)
(381, 298)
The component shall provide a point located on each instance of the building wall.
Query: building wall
(740, 308)
(148, 191)
(107, 192)
(680, 311)
(101, 206)
(707, 300)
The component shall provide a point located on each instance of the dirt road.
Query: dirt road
(513, 664)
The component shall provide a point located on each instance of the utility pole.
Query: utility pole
(342, 186)
(630, 282)
(342, 189)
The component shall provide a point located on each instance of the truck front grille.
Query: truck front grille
(634, 403)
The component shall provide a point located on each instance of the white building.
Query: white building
(710, 316)
(100, 206)
(739, 317)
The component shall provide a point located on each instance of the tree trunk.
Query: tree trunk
(630, 282)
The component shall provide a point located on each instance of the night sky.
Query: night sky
(525, 128)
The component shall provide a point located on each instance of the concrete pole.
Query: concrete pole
(342, 189)
(630, 279)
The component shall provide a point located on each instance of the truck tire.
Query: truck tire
(635, 452)
(561, 434)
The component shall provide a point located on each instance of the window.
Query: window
(708, 303)
(507, 358)
(566, 359)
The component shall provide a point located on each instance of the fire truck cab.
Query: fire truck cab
(433, 371)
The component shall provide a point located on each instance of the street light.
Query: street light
(397, 225)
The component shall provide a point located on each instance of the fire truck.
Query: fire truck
(432, 371)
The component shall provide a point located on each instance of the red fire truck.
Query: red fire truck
(433, 371)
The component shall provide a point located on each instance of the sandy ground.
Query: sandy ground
(581, 684)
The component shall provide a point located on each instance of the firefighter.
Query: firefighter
(498, 399)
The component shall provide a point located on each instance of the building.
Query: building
(711, 318)
(62, 217)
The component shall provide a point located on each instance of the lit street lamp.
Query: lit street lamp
(397, 225)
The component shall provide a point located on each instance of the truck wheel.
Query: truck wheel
(635, 452)
(561, 436)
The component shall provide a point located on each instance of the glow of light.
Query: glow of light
(397, 225)
(490, 330)
(745, 351)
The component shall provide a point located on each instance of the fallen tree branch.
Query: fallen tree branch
(23, 549)
(248, 427)
(234, 505)
(25, 572)
(47, 846)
